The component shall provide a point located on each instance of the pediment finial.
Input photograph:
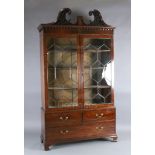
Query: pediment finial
(80, 20)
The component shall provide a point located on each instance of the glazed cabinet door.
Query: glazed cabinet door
(97, 62)
(62, 78)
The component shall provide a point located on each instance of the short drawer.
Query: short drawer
(63, 119)
(81, 132)
(99, 115)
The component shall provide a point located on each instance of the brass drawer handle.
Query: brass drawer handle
(99, 128)
(99, 115)
(63, 118)
(66, 117)
(64, 131)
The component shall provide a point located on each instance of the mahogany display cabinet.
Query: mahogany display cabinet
(77, 79)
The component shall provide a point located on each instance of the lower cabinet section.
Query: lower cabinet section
(70, 126)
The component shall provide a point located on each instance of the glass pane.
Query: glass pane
(62, 72)
(97, 71)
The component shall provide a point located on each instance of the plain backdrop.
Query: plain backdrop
(115, 13)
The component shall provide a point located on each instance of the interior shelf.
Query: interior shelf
(94, 51)
(58, 105)
(97, 87)
(88, 67)
(64, 88)
(62, 50)
(64, 67)
(71, 67)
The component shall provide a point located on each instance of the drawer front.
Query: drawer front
(80, 132)
(99, 115)
(63, 119)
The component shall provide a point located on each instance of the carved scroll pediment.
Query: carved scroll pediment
(98, 21)
(61, 19)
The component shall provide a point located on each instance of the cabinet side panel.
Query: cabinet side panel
(42, 69)
(112, 58)
(43, 125)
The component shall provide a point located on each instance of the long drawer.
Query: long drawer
(99, 115)
(83, 131)
(63, 119)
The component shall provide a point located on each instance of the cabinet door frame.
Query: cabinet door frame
(96, 36)
(44, 72)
